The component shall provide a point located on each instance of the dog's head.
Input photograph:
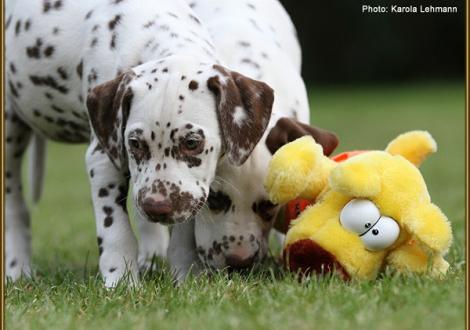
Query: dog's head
(169, 122)
(233, 230)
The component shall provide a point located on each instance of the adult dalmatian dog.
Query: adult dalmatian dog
(143, 84)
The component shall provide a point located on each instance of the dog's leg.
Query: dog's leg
(116, 241)
(154, 240)
(182, 254)
(17, 225)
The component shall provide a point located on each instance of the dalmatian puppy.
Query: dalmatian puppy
(258, 39)
(142, 84)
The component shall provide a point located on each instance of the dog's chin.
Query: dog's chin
(167, 220)
(219, 255)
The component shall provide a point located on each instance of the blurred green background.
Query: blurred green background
(343, 45)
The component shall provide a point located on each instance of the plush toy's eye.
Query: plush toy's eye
(359, 215)
(382, 235)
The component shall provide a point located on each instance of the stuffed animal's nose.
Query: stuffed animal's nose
(158, 211)
(237, 262)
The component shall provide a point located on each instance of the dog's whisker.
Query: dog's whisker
(222, 181)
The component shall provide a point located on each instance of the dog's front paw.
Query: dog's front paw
(16, 268)
(153, 245)
(148, 263)
(116, 269)
(127, 278)
(181, 272)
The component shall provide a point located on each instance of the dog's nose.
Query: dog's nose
(158, 211)
(236, 262)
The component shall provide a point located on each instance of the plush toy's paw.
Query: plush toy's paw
(430, 227)
(411, 258)
(415, 146)
(439, 267)
(290, 169)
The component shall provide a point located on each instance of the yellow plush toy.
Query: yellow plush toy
(371, 210)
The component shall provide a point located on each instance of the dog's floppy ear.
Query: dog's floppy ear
(243, 110)
(108, 108)
(288, 129)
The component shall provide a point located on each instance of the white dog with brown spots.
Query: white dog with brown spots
(258, 39)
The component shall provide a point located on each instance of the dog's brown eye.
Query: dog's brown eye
(193, 144)
(134, 143)
(265, 209)
(139, 149)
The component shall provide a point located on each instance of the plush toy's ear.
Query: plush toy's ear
(355, 177)
(244, 108)
(298, 169)
(288, 129)
(108, 108)
(415, 146)
(430, 227)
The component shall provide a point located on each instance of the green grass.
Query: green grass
(67, 294)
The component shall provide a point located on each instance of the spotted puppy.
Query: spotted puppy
(142, 84)
(257, 38)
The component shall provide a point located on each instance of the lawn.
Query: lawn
(66, 293)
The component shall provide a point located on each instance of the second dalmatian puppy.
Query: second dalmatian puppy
(258, 39)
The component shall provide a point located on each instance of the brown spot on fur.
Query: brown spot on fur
(48, 81)
(80, 69)
(193, 85)
(49, 51)
(219, 201)
(108, 221)
(62, 73)
(103, 192)
(115, 21)
(121, 198)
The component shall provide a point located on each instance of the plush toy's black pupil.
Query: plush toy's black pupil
(368, 225)
(375, 231)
